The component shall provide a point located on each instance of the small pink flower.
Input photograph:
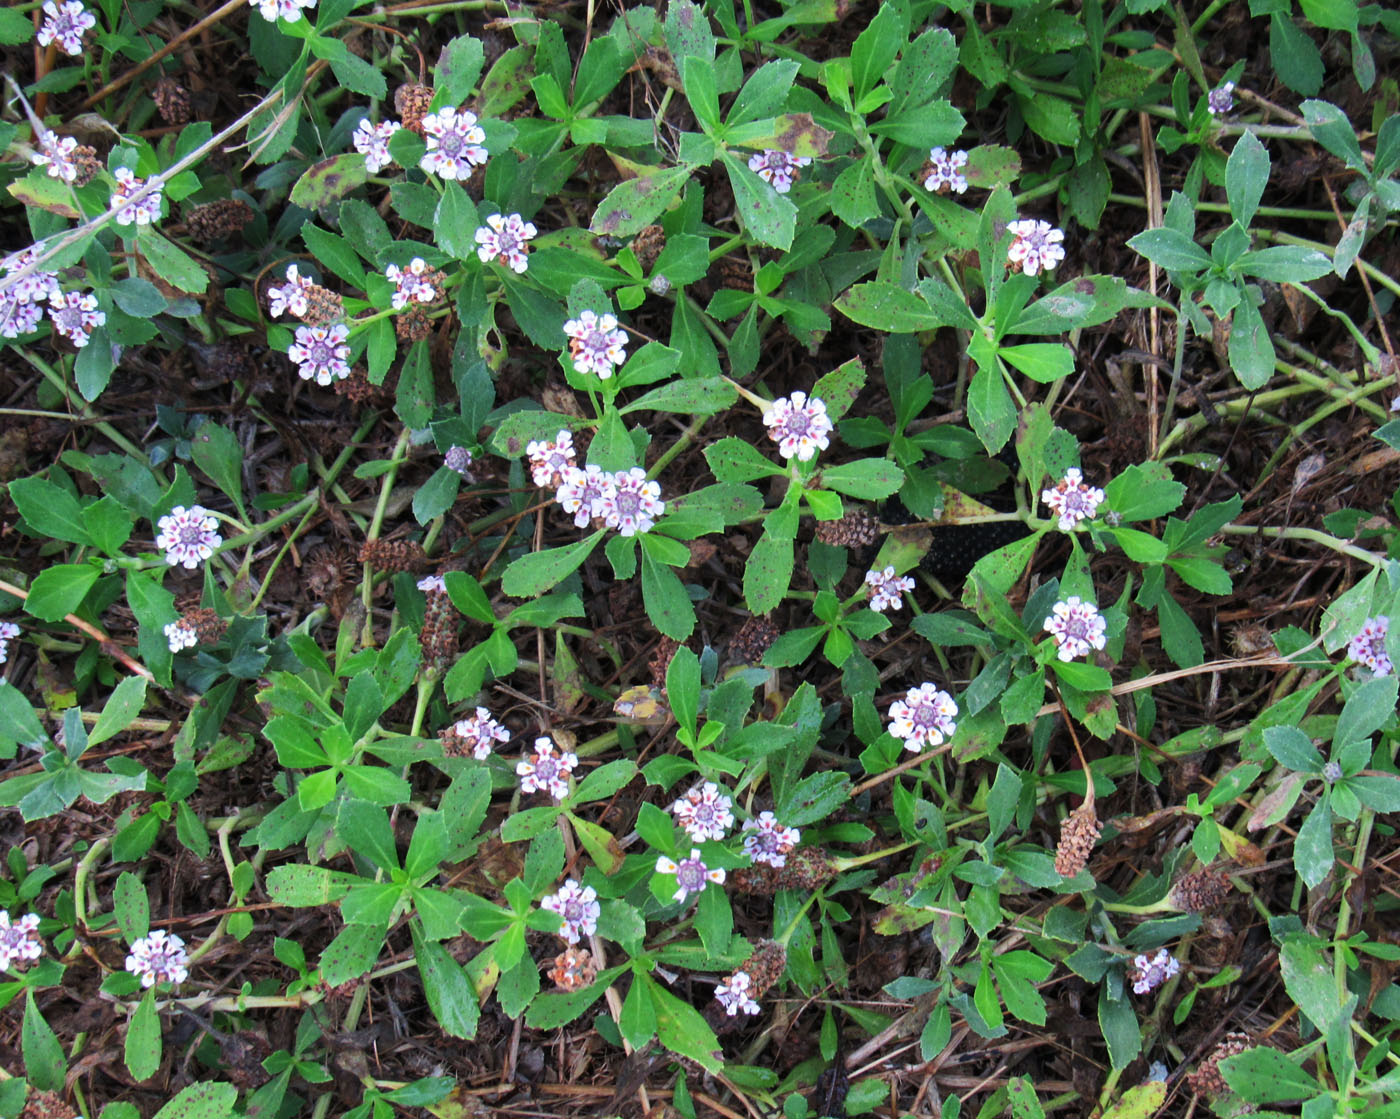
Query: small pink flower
(65, 23)
(633, 504)
(1037, 245)
(37, 287)
(1072, 501)
(767, 841)
(159, 958)
(320, 353)
(733, 994)
(142, 211)
(546, 771)
(1368, 646)
(75, 316)
(946, 172)
(433, 584)
(585, 493)
(456, 145)
(291, 296)
(778, 168)
(372, 141)
(56, 153)
(596, 344)
(179, 635)
(924, 717)
(798, 425)
(188, 536)
(480, 731)
(289, 10)
(692, 875)
(578, 906)
(19, 940)
(506, 240)
(1077, 628)
(704, 812)
(1148, 974)
(551, 460)
(411, 284)
(18, 317)
(1221, 101)
(886, 588)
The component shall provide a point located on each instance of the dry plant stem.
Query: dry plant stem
(108, 646)
(145, 64)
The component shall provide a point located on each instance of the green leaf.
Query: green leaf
(216, 451)
(1290, 264)
(1170, 249)
(1251, 351)
(334, 254)
(1264, 1075)
(1052, 117)
(636, 203)
(813, 798)
(18, 723)
(1296, 59)
(876, 47)
(414, 401)
(44, 1065)
(991, 409)
(455, 222)
(15, 27)
(448, 990)
(1309, 978)
(1045, 362)
(109, 524)
(768, 572)
(767, 215)
(436, 495)
(703, 396)
(143, 1047)
(1331, 128)
(533, 574)
(50, 510)
(683, 1029)
(870, 479)
(1246, 176)
(325, 182)
(839, 388)
(120, 710)
(58, 590)
(1119, 1024)
(373, 837)
(171, 264)
(1144, 493)
(459, 65)
(886, 306)
(852, 195)
(1312, 848)
(205, 1100)
(359, 76)
(1292, 748)
(1365, 712)
(734, 460)
(664, 596)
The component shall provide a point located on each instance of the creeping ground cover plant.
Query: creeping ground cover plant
(755, 557)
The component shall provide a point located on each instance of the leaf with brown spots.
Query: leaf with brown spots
(329, 180)
(795, 133)
(631, 206)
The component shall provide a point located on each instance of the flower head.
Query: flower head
(36, 287)
(1368, 646)
(289, 10)
(1148, 974)
(733, 994)
(1332, 772)
(633, 504)
(578, 906)
(778, 168)
(506, 240)
(372, 141)
(545, 771)
(1077, 627)
(573, 970)
(692, 875)
(65, 24)
(1220, 101)
(291, 296)
(704, 812)
(480, 731)
(945, 171)
(75, 316)
(456, 145)
(19, 940)
(886, 588)
(1072, 501)
(188, 536)
(142, 211)
(551, 459)
(924, 717)
(585, 493)
(56, 153)
(799, 425)
(1037, 245)
(181, 635)
(320, 353)
(432, 584)
(413, 284)
(458, 460)
(596, 344)
(8, 632)
(767, 841)
(18, 316)
(159, 958)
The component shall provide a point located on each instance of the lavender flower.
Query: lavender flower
(143, 211)
(704, 812)
(579, 908)
(551, 460)
(585, 493)
(1147, 975)
(181, 635)
(320, 353)
(632, 504)
(412, 284)
(1220, 101)
(778, 168)
(480, 730)
(1072, 501)
(767, 841)
(291, 296)
(733, 994)
(692, 875)
(886, 588)
(75, 316)
(1077, 628)
(546, 771)
(188, 536)
(1036, 246)
(799, 425)
(459, 461)
(65, 24)
(596, 344)
(456, 145)
(432, 584)
(506, 240)
(8, 632)
(56, 153)
(924, 717)
(289, 10)
(946, 173)
(1368, 646)
(19, 940)
(159, 958)
(372, 141)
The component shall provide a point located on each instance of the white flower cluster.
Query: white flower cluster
(23, 299)
(625, 500)
(188, 536)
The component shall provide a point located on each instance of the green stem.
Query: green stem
(1312, 535)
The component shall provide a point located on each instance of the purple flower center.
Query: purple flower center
(320, 353)
(628, 504)
(68, 319)
(450, 143)
(704, 813)
(690, 875)
(546, 770)
(507, 243)
(573, 911)
(924, 716)
(799, 423)
(191, 532)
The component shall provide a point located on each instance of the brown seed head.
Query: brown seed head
(661, 661)
(1207, 1079)
(412, 102)
(357, 389)
(206, 623)
(647, 246)
(806, 869)
(766, 966)
(753, 640)
(46, 1105)
(172, 100)
(439, 633)
(87, 163)
(1199, 892)
(1078, 834)
(413, 324)
(393, 555)
(573, 969)
(218, 221)
(323, 306)
(857, 529)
